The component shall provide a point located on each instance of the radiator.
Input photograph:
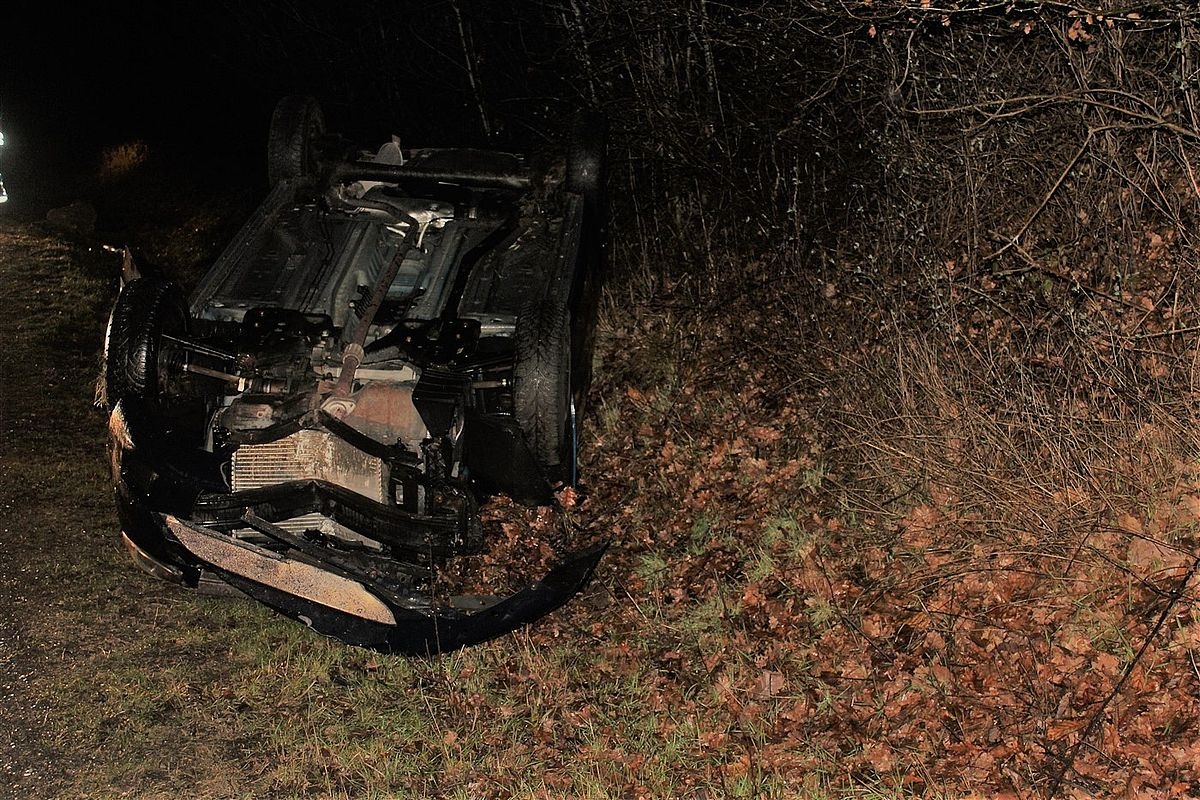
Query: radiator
(309, 455)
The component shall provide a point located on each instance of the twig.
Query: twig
(584, 50)
(1052, 273)
(1036, 101)
(1012, 242)
(469, 64)
(1069, 761)
(1160, 334)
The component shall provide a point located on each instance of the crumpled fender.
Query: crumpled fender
(156, 497)
(350, 609)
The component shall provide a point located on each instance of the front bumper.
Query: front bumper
(177, 518)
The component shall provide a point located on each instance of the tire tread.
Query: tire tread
(142, 309)
(541, 386)
(296, 120)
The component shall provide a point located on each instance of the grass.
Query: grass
(810, 591)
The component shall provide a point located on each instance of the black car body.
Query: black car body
(392, 337)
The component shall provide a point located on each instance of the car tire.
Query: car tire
(296, 126)
(145, 309)
(586, 174)
(586, 159)
(542, 400)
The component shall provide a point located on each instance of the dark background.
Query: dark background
(103, 74)
(812, 136)
(733, 129)
(197, 83)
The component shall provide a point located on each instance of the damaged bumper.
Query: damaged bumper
(180, 524)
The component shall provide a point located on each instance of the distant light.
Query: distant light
(1, 138)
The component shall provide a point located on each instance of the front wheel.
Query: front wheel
(542, 397)
(146, 309)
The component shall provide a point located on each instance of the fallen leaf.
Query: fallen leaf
(769, 684)
(1148, 557)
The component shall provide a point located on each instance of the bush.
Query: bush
(119, 160)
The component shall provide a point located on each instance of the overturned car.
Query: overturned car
(392, 337)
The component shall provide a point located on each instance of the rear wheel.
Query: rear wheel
(296, 126)
(586, 174)
(145, 310)
(586, 167)
(542, 395)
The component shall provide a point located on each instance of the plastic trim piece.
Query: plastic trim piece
(287, 575)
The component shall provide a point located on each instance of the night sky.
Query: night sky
(198, 81)
(109, 70)
(75, 81)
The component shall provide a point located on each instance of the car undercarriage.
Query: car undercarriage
(393, 337)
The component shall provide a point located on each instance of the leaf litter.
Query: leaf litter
(966, 579)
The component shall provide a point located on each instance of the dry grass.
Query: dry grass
(964, 433)
(119, 160)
